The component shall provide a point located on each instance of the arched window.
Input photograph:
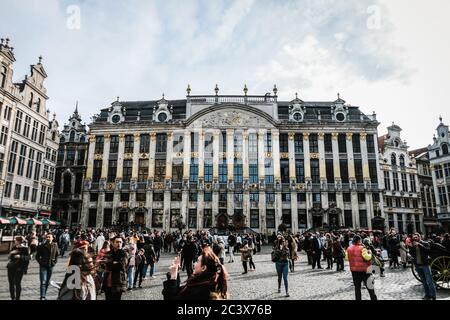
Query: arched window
(3, 77)
(67, 183)
(72, 136)
(38, 105)
(393, 159)
(82, 139)
(402, 161)
(30, 103)
(444, 148)
(54, 135)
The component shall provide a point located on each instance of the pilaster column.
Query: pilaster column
(201, 155)
(149, 206)
(292, 176)
(245, 162)
(169, 158)
(336, 163)
(121, 156)
(261, 155)
(116, 205)
(136, 148)
(187, 155)
(351, 160)
(184, 207)
(166, 214)
(91, 153)
(322, 168)
(230, 154)
(276, 154)
(100, 209)
(294, 212)
(325, 205)
(262, 212)
(200, 209)
(364, 156)
(307, 156)
(369, 209)
(355, 209)
(151, 165)
(105, 163)
(216, 151)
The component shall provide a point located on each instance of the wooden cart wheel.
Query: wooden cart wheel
(440, 269)
(414, 272)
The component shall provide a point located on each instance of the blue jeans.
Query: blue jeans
(130, 276)
(152, 269)
(424, 273)
(45, 273)
(282, 271)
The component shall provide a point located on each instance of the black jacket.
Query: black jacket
(189, 251)
(47, 254)
(424, 249)
(19, 259)
(116, 268)
(193, 290)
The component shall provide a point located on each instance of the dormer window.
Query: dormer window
(298, 117)
(162, 117)
(340, 117)
(444, 148)
(115, 119)
(72, 136)
(3, 77)
(38, 105)
(402, 161)
(30, 103)
(393, 159)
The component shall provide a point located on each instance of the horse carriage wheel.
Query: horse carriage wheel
(414, 272)
(440, 269)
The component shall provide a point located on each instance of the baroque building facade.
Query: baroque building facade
(427, 195)
(28, 141)
(440, 169)
(70, 171)
(402, 202)
(238, 161)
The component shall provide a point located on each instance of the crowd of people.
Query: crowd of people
(114, 261)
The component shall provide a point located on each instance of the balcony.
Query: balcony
(211, 99)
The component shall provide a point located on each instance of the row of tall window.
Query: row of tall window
(28, 130)
(395, 186)
(178, 143)
(23, 193)
(17, 162)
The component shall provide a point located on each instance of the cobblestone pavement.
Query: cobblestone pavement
(304, 283)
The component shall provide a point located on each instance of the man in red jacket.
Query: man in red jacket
(360, 259)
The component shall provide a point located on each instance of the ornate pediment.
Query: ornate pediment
(228, 118)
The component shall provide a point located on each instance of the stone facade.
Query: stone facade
(232, 161)
(28, 141)
(440, 169)
(70, 171)
(402, 203)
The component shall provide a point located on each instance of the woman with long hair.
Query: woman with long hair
(17, 267)
(280, 256)
(208, 282)
(84, 263)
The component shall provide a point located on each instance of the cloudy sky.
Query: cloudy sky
(387, 56)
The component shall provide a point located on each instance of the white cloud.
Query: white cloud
(139, 49)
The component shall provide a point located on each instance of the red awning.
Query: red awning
(16, 220)
(48, 214)
(35, 221)
(4, 221)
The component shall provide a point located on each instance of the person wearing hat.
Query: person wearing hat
(17, 267)
(360, 259)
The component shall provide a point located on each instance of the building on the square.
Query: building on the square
(28, 141)
(70, 171)
(427, 195)
(402, 202)
(237, 161)
(440, 169)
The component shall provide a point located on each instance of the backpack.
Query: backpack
(216, 248)
(276, 255)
